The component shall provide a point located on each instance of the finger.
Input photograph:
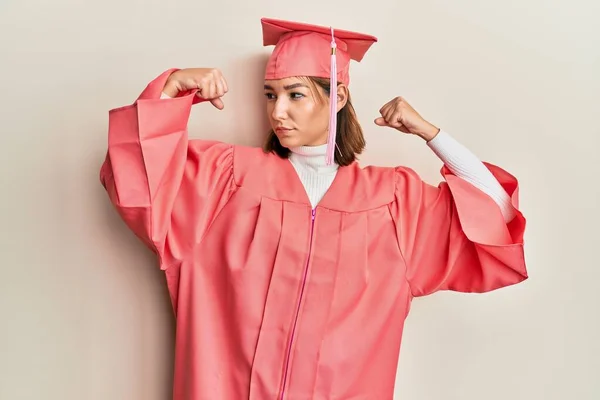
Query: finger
(385, 107)
(395, 119)
(202, 90)
(213, 89)
(389, 114)
(206, 90)
(225, 87)
(380, 121)
(219, 91)
(218, 103)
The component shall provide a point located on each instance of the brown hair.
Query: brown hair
(349, 139)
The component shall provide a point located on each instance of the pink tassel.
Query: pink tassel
(332, 104)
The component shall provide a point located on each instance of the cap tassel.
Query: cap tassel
(332, 104)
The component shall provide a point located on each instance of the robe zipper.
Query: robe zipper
(287, 362)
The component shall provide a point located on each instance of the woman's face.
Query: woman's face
(297, 117)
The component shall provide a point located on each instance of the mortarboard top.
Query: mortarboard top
(305, 50)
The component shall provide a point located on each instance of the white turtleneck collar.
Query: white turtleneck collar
(312, 158)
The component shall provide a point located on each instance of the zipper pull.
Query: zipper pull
(314, 212)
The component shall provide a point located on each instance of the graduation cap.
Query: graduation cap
(317, 51)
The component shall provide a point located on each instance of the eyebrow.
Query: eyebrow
(288, 87)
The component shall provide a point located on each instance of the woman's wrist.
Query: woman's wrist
(428, 133)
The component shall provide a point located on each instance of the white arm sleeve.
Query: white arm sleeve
(467, 166)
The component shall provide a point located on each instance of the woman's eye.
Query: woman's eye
(296, 96)
(269, 96)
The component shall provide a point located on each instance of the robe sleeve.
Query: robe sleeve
(166, 188)
(453, 236)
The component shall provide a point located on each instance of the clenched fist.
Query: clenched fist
(400, 115)
(210, 82)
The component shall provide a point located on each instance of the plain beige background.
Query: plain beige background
(84, 312)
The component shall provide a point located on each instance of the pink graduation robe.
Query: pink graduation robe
(275, 300)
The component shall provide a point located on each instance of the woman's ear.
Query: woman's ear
(342, 96)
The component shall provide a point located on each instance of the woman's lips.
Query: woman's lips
(282, 131)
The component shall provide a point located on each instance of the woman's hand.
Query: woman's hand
(210, 82)
(400, 115)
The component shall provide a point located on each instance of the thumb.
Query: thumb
(217, 103)
(380, 121)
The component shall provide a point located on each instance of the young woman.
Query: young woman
(291, 269)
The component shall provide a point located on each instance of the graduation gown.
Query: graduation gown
(274, 299)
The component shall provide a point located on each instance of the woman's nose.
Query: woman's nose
(280, 110)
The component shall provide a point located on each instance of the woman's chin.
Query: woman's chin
(289, 142)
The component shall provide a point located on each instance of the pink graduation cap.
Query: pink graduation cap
(317, 51)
